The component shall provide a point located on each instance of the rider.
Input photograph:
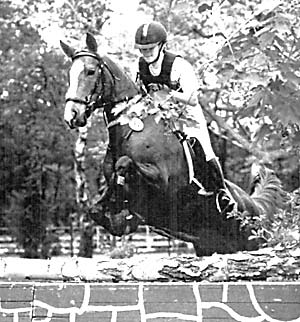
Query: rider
(160, 67)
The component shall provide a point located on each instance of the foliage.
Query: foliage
(283, 231)
(159, 104)
(266, 56)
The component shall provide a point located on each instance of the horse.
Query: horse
(146, 169)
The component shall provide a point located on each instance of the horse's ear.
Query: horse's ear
(69, 51)
(91, 42)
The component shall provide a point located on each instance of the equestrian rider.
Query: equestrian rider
(160, 67)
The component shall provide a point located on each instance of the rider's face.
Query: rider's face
(150, 54)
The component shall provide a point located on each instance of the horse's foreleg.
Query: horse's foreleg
(108, 165)
(99, 207)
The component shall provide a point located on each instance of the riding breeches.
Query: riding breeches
(199, 131)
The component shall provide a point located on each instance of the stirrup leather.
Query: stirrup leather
(202, 191)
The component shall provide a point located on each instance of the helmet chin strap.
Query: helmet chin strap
(158, 55)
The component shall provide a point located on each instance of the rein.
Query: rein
(91, 100)
(96, 98)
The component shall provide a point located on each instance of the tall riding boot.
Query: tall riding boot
(225, 202)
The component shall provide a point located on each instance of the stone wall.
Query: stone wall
(155, 302)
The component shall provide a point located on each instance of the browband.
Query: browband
(86, 53)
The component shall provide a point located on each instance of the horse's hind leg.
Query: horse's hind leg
(228, 239)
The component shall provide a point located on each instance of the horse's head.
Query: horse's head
(94, 81)
(84, 82)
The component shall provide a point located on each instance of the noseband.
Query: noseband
(91, 100)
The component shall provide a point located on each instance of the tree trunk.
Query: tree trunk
(82, 192)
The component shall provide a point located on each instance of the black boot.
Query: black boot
(224, 200)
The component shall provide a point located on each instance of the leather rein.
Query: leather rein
(91, 101)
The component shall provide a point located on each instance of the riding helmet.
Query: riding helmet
(150, 34)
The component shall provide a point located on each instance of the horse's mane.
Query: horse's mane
(118, 71)
(125, 86)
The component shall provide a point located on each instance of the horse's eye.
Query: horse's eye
(91, 72)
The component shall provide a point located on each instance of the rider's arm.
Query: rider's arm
(183, 72)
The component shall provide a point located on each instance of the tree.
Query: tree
(34, 148)
(78, 17)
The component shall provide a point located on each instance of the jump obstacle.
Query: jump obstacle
(257, 287)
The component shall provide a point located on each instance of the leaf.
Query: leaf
(256, 97)
(291, 76)
(296, 139)
(267, 6)
(124, 119)
(262, 133)
(137, 109)
(285, 102)
(158, 117)
(266, 39)
(204, 6)
(119, 108)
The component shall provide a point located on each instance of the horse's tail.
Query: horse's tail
(266, 196)
(266, 190)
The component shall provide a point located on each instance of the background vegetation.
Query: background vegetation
(245, 52)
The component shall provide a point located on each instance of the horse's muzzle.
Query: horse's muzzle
(74, 116)
(74, 123)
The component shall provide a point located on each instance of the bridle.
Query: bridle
(92, 100)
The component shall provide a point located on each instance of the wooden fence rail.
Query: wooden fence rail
(65, 241)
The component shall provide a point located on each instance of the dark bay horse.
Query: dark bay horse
(145, 166)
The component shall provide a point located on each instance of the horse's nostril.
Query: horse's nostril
(74, 113)
(70, 124)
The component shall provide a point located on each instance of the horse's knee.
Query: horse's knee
(123, 165)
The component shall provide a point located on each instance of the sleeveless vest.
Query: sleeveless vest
(164, 77)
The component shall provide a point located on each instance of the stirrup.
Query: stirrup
(231, 202)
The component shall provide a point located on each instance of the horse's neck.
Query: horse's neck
(123, 86)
